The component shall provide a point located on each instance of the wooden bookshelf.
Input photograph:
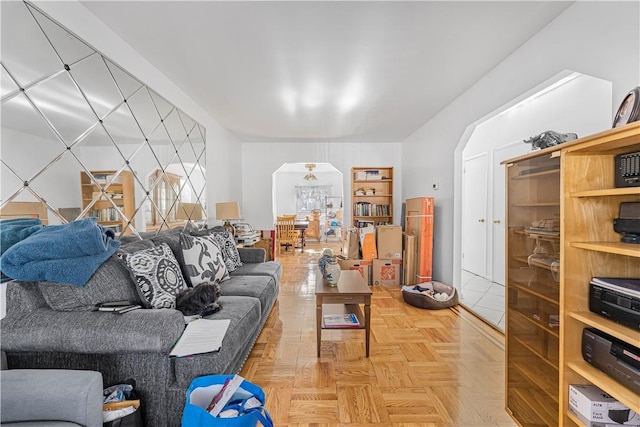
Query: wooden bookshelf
(591, 248)
(372, 195)
(584, 195)
(109, 197)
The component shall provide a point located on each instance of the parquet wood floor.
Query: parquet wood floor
(431, 368)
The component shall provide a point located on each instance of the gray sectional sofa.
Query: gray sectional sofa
(53, 326)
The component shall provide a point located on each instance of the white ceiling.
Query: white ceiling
(362, 71)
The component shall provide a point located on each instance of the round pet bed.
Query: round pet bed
(423, 295)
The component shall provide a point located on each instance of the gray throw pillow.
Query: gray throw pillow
(111, 282)
(158, 275)
(203, 260)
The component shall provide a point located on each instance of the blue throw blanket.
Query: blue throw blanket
(68, 253)
(16, 229)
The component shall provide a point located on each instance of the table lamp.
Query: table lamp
(226, 211)
(189, 212)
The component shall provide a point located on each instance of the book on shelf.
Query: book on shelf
(348, 320)
(369, 209)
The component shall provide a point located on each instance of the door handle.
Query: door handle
(481, 220)
(496, 221)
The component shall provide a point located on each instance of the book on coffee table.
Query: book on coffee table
(348, 320)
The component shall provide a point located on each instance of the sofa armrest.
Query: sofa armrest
(52, 394)
(92, 332)
(252, 255)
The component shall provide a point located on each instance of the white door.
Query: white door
(497, 216)
(474, 215)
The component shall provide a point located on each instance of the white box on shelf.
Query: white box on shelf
(372, 175)
(597, 409)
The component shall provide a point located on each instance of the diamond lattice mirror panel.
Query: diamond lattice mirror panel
(82, 137)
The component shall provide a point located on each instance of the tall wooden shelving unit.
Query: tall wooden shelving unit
(533, 288)
(541, 362)
(372, 195)
(590, 249)
(120, 192)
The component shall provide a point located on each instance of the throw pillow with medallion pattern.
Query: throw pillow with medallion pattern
(158, 275)
(203, 260)
(227, 244)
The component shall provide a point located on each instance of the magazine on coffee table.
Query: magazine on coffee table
(348, 320)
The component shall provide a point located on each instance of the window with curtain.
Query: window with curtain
(311, 197)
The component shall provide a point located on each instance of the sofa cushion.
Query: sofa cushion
(112, 281)
(23, 297)
(252, 255)
(245, 314)
(158, 275)
(203, 260)
(92, 332)
(269, 268)
(264, 288)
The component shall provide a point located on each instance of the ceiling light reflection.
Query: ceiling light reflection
(316, 95)
(352, 95)
(289, 97)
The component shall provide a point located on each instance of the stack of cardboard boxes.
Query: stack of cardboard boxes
(375, 252)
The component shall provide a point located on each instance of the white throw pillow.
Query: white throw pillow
(203, 260)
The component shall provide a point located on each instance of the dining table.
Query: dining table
(301, 225)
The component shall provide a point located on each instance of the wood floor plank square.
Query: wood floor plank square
(358, 404)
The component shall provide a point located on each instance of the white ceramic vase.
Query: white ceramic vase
(332, 274)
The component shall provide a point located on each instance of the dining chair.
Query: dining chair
(286, 233)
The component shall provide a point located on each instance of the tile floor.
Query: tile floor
(483, 297)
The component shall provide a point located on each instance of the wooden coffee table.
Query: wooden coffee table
(344, 298)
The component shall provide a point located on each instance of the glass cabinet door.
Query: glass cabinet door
(533, 276)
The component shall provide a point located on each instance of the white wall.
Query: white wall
(223, 151)
(261, 160)
(582, 106)
(601, 39)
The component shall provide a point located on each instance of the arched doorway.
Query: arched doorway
(320, 198)
(568, 102)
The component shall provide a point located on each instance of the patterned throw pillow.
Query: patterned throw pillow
(158, 275)
(203, 260)
(225, 241)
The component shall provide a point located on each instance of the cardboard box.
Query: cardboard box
(368, 242)
(389, 241)
(587, 423)
(387, 272)
(597, 409)
(360, 175)
(362, 265)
